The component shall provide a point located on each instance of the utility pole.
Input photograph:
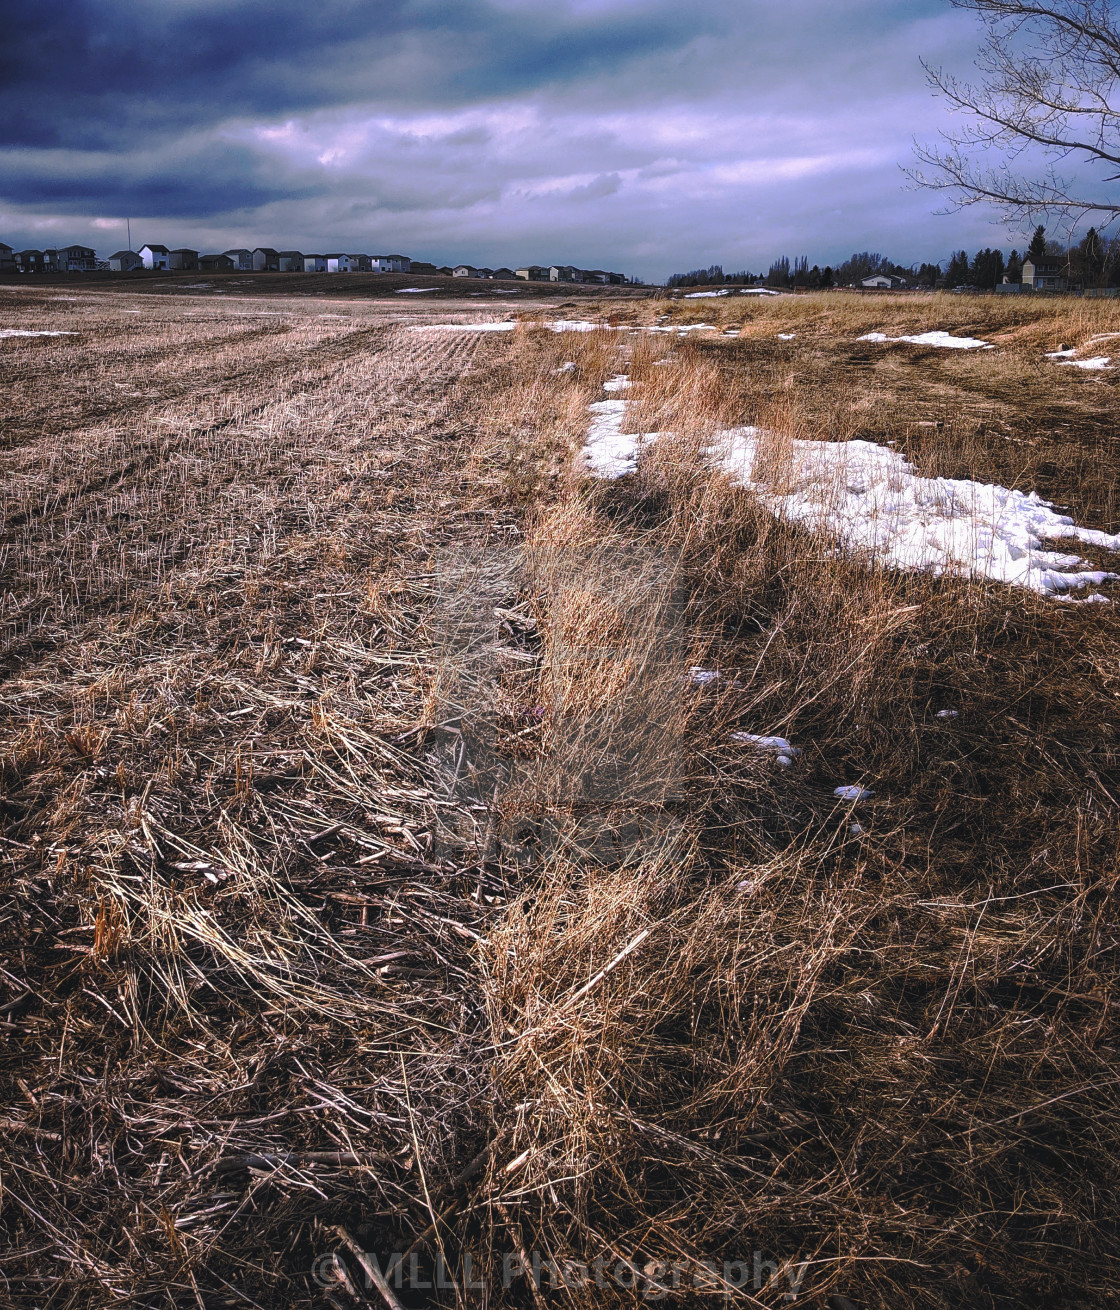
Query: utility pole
(128, 221)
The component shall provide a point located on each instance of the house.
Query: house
(391, 264)
(28, 261)
(124, 261)
(158, 257)
(446, 271)
(314, 263)
(419, 266)
(505, 274)
(217, 264)
(266, 260)
(532, 273)
(564, 273)
(183, 260)
(242, 259)
(290, 261)
(883, 282)
(360, 264)
(338, 263)
(486, 272)
(465, 270)
(7, 258)
(1045, 274)
(76, 259)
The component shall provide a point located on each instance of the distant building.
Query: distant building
(419, 266)
(465, 270)
(290, 261)
(266, 260)
(338, 263)
(76, 259)
(314, 263)
(447, 271)
(505, 274)
(564, 273)
(883, 282)
(184, 260)
(361, 264)
(217, 264)
(157, 257)
(391, 264)
(242, 259)
(7, 258)
(1045, 275)
(29, 261)
(124, 261)
(533, 273)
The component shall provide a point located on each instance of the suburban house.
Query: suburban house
(338, 263)
(883, 282)
(242, 259)
(465, 270)
(390, 264)
(217, 264)
(75, 259)
(532, 273)
(290, 261)
(183, 259)
(506, 274)
(564, 273)
(266, 260)
(124, 261)
(29, 261)
(1047, 274)
(360, 264)
(7, 258)
(419, 266)
(314, 263)
(158, 257)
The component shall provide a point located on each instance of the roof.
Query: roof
(183, 250)
(156, 250)
(292, 252)
(124, 254)
(265, 250)
(238, 250)
(338, 254)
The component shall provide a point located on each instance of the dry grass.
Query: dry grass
(372, 861)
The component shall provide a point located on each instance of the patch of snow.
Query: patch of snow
(784, 753)
(869, 498)
(568, 367)
(413, 291)
(464, 327)
(1062, 354)
(857, 829)
(1099, 362)
(1093, 598)
(759, 291)
(948, 714)
(705, 295)
(937, 338)
(23, 332)
(701, 677)
(620, 382)
(853, 794)
(786, 336)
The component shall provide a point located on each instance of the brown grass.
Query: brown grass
(372, 862)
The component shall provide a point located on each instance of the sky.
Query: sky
(643, 136)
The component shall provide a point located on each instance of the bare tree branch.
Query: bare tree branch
(1049, 95)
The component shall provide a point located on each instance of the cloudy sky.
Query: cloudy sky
(648, 136)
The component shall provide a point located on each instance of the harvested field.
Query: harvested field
(396, 856)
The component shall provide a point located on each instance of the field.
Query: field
(381, 872)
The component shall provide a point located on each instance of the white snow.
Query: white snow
(786, 336)
(21, 332)
(1062, 354)
(759, 291)
(701, 677)
(784, 754)
(620, 382)
(937, 338)
(413, 291)
(869, 498)
(464, 327)
(948, 714)
(1101, 361)
(705, 295)
(568, 367)
(853, 793)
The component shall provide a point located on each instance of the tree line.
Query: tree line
(1093, 262)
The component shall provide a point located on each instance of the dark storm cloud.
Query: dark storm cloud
(91, 73)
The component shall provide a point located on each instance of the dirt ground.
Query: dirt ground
(377, 878)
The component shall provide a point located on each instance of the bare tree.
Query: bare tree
(1049, 96)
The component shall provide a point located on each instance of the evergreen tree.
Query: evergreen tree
(986, 269)
(1014, 267)
(928, 274)
(1089, 263)
(1037, 247)
(956, 274)
(779, 273)
(826, 276)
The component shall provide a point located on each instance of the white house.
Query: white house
(158, 257)
(338, 263)
(124, 261)
(564, 273)
(314, 263)
(390, 263)
(242, 259)
(883, 282)
(465, 270)
(532, 273)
